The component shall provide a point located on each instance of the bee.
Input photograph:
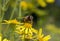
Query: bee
(28, 18)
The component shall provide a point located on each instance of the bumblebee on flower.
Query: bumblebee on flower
(26, 28)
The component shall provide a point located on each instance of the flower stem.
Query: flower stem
(20, 10)
(11, 15)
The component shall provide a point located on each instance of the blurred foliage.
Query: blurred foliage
(45, 13)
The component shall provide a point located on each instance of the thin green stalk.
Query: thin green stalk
(6, 3)
(9, 24)
(12, 36)
(2, 13)
(11, 16)
(12, 32)
(19, 11)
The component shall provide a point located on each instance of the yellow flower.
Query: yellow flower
(42, 3)
(26, 29)
(23, 4)
(5, 39)
(26, 5)
(50, 1)
(12, 21)
(41, 37)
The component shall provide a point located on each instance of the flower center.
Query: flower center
(27, 25)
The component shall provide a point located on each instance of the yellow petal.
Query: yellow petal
(7, 21)
(15, 21)
(19, 32)
(26, 31)
(20, 29)
(34, 30)
(29, 36)
(40, 31)
(46, 38)
(41, 36)
(30, 32)
(23, 36)
(42, 3)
